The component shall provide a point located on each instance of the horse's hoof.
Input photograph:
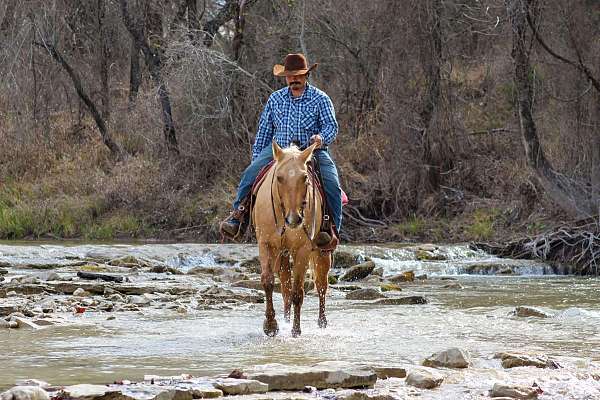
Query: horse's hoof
(296, 332)
(270, 327)
(323, 322)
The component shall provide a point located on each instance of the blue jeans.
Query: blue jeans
(329, 173)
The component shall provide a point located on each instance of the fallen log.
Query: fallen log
(95, 276)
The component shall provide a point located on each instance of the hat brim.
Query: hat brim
(279, 70)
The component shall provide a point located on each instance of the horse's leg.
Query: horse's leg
(299, 271)
(267, 278)
(322, 265)
(285, 276)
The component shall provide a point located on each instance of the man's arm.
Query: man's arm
(329, 125)
(265, 132)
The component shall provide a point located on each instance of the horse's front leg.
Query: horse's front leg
(322, 265)
(299, 271)
(267, 278)
(285, 276)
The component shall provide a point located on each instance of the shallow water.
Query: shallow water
(476, 319)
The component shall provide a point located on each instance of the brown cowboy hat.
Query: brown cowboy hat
(293, 64)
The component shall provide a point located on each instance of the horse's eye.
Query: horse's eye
(280, 179)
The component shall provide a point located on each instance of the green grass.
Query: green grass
(482, 225)
(414, 226)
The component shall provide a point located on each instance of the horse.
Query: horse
(286, 217)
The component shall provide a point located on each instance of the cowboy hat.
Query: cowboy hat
(293, 64)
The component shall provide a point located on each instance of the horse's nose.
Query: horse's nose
(293, 220)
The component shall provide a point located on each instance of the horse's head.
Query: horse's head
(291, 175)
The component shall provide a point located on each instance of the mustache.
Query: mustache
(295, 83)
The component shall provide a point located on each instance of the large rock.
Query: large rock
(362, 395)
(206, 270)
(232, 386)
(251, 265)
(364, 294)
(358, 272)
(389, 372)
(429, 255)
(205, 392)
(174, 394)
(321, 376)
(402, 300)
(512, 360)
(25, 393)
(424, 378)
(344, 259)
(513, 391)
(406, 276)
(93, 392)
(451, 358)
(526, 311)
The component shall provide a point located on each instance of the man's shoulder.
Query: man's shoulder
(318, 94)
(279, 95)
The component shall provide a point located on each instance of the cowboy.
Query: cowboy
(297, 114)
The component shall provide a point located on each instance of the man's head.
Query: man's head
(296, 82)
(294, 65)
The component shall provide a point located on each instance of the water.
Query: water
(476, 319)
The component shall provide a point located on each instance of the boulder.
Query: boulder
(25, 393)
(362, 395)
(512, 360)
(429, 255)
(80, 292)
(174, 394)
(321, 376)
(390, 287)
(526, 311)
(252, 265)
(451, 358)
(205, 392)
(206, 270)
(364, 294)
(513, 391)
(394, 301)
(231, 386)
(406, 276)
(424, 378)
(344, 259)
(358, 272)
(390, 372)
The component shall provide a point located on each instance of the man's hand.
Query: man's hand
(316, 139)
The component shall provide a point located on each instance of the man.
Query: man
(297, 114)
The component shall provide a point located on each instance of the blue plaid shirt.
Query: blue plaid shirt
(288, 119)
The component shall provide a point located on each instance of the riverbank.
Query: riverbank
(190, 314)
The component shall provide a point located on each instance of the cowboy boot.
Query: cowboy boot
(235, 225)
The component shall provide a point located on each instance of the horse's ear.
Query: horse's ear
(307, 153)
(277, 151)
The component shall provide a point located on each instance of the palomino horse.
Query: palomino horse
(287, 216)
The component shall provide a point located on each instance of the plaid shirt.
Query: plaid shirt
(288, 119)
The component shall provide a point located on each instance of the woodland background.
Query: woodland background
(459, 119)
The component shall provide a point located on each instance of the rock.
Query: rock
(8, 325)
(390, 372)
(206, 270)
(231, 386)
(175, 394)
(364, 294)
(378, 271)
(424, 378)
(344, 259)
(429, 255)
(453, 285)
(25, 393)
(421, 277)
(9, 306)
(332, 279)
(512, 360)
(25, 323)
(451, 358)
(254, 284)
(47, 276)
(321, 376)
(252, 265)
(205, 392)
(362, 395)
(221, 294)
(222, 259)
(92, 392)
(139, 300)
(3, 271)
(80, 292)
(525, 311)
(98, 276)
(513, 391)
(406, 276)
(32, 382)
(395, 301)
(129, 262)
(358, 272)
(390, 287)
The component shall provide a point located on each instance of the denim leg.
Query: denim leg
(251, 173)
(332, 188)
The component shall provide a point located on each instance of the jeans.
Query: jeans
(329, 175)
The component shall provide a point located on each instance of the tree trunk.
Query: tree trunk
(9, 15)
(566, 194)
(135, 73)
(104, 59)
(100, 123)
(153, 58)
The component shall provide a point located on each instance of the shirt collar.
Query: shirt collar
(307, 94)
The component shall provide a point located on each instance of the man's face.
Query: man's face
(296, 82)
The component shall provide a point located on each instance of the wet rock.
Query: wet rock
(25, 393)
(29, 279)
(451, 358)
(346, 288)
(378, 271)
(512, 360)
(402, 300)
(358, 272)
(424, 378)
(25, 323)
(3, 271)
(12, 305)
(253, 284)
(322, 376)
(423, 254)
(332, 279)
(221, 294)
(129, 262)
(345, 259)
(231, 386)
(80, 292)
(205, 392)
(390, 372)
(252, 265)
(222, 259)
(364, 294)
(206, 270)
(513, 391)
(92, 392)
(406, 276)
(174, 394)
(32, 382)
(526, 311)
(390, 287)
(362, 395)
(453, 285)
(98, 276)
(139, 300)
(421, 277)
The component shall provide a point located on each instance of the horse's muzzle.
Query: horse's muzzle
(293, 220)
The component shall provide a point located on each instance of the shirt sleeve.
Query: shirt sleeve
(265, 132)
(329, 125)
